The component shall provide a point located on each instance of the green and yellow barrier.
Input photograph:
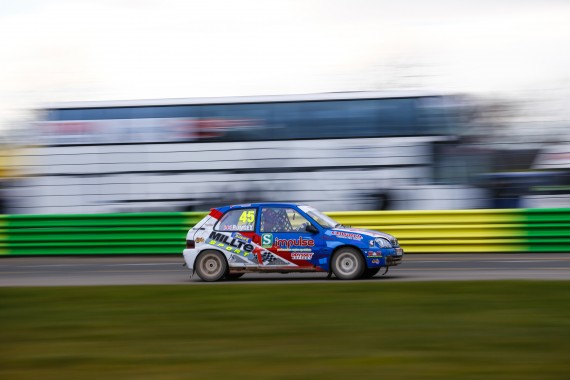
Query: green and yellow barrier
(516, 230)
(504, 230)
(97, 234)
(3, 235)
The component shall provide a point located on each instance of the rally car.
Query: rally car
(284, 238)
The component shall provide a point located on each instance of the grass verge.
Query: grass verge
(467, 330)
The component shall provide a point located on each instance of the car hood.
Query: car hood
(368, 233)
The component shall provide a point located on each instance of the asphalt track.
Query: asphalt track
(139, 270)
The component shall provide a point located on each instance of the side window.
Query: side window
(238, 220)
(276, 219)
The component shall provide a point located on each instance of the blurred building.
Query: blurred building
(336, 151)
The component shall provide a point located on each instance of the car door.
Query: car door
(283, 232)
(233, 235)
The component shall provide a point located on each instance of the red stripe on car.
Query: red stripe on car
(216, 214)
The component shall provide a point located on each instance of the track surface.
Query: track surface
(56, 271)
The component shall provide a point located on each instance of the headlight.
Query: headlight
(382, 243)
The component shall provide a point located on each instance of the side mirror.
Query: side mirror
(312, 229)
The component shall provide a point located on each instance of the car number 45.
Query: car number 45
(247, 217)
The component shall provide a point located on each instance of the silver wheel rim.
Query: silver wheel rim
(347, 264)
(211, 265)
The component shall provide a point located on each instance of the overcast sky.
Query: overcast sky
(66, 50)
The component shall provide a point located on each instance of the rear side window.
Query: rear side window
(238, 220)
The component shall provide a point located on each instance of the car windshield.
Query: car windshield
(323, 220)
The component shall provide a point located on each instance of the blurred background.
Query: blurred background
(130, 106)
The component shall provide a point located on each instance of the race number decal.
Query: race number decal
(247, 217)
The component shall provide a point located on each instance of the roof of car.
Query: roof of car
(258, 204)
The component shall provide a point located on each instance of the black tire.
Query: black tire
(233, 276)
(211, 266)
(348, 264)
(370, 272)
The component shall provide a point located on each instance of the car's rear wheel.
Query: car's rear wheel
(370, 272)
(348, 264)
(211, 266)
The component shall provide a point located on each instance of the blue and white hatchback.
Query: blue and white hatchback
(284, 238)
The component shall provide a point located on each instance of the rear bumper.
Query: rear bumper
(190, 258)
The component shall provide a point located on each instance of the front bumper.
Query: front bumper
(395, 258)
(385, 257)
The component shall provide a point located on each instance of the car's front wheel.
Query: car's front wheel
(370, 272)
(348, 264)
(211, 266)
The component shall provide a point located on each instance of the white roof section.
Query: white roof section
(241, 99)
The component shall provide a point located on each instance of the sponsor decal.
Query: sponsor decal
(302, 256)
(347, 235)
(293, 249)
(235, 227)
(375, 261)
(267, 240)
(230, 243)
(300, 242)
(199, 240)
(374, 254)
(323, 261)
(237, 235)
